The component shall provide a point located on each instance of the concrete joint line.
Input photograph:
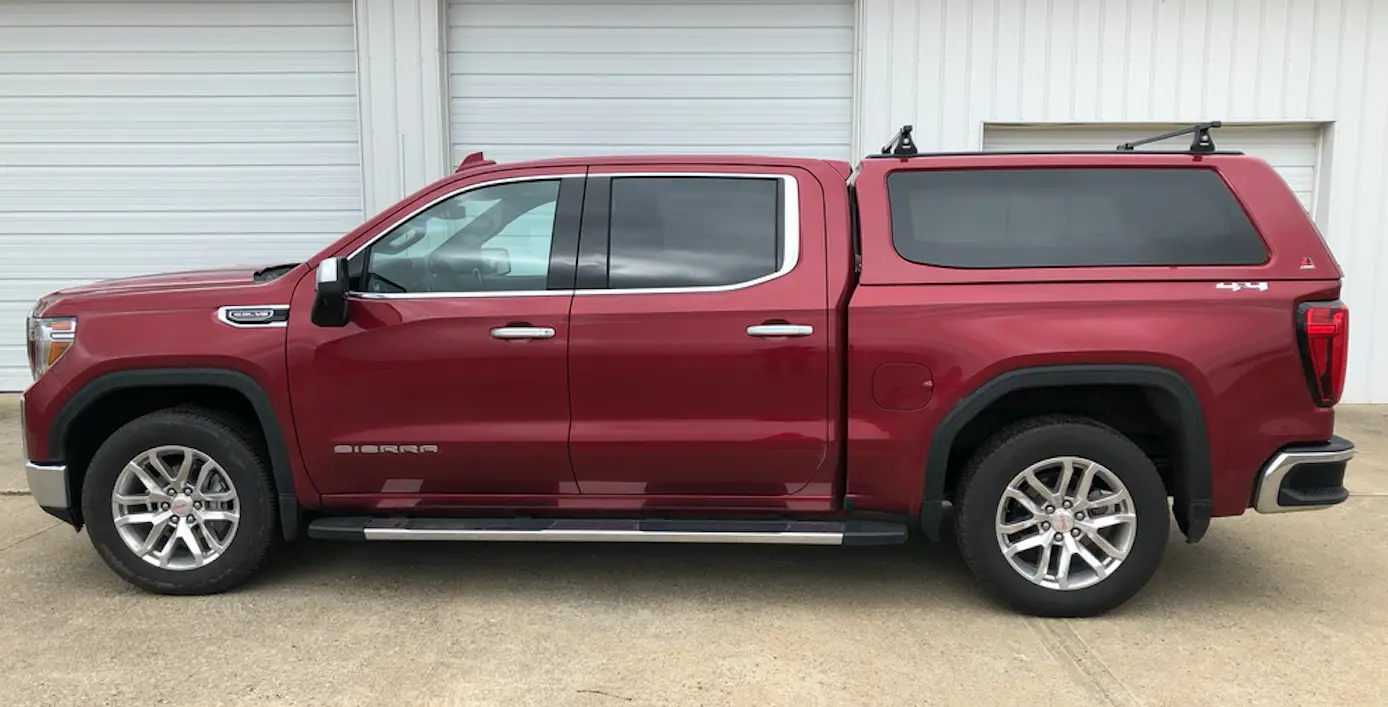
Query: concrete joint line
(30, 536)
(1069, 649)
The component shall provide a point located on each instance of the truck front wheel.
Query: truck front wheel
(180, 502)
(1062, 516)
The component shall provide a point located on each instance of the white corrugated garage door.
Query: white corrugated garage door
(152, 136)
(1291, 150)
(540, 78)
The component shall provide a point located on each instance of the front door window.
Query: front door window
(493, 239)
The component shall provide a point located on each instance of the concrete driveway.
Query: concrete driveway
(1289, 610)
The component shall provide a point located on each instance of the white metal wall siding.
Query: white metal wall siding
(544, 78)
(950, 66)
(1291, 149)
(139, 137)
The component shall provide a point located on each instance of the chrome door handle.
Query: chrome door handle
(511, 333)
(780, 330)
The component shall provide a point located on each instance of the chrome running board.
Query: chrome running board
(602, 530)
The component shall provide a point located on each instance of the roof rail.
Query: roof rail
(473, 161)
(1202, 144)
(901, 144)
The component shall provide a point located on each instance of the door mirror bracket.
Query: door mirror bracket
(330, 293)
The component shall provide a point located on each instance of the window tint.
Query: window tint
(490, 239)
(693, 231)
(1004, 218)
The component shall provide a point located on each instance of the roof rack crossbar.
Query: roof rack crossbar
(901, 144)
(1202, 143)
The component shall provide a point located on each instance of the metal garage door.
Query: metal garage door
(541, 78)
(151, 136)
(1291, 150)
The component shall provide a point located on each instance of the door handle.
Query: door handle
(513, 333)
(780, 330)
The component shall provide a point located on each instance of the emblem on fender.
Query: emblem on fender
(386, 449)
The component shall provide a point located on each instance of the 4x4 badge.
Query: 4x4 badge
(1236, 286)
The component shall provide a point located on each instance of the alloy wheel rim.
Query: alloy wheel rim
(1066, 523)
(175, 507)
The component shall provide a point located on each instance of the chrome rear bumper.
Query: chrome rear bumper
(1304, 478)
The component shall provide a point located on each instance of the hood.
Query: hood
(198, 279)
(183, 281)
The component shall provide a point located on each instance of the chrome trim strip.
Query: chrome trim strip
(222, 316)
(48, 484)
(780, 330)
(605, 536)
(790, 234)
(459, 295)
(1276, 471)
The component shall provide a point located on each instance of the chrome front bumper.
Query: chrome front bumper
(1304, 478)
(48, 484)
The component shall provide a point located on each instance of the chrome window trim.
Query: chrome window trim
(790, 235)
(459, 295)
(223, 318)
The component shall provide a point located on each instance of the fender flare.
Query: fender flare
(1193, 486)
(103, 385)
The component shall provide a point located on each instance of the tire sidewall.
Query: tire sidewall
(977, 526)
(234, 457)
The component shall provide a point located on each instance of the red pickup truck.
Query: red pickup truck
(1055, 353)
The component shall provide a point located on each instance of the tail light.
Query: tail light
(1323, 334)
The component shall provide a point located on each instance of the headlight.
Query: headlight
(49, 339)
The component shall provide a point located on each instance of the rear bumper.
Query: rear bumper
(48, 485)
(1305, 477)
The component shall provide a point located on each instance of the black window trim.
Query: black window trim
(1262, 239)
(594, 243)
(562, 245)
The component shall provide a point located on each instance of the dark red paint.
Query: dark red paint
(902, 386)
(647, 402)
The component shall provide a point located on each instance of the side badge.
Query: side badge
(1306, 263)
(1237, 286)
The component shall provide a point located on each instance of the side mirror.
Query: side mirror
(496, 261)
(330, 288)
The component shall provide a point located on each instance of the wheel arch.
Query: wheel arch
(90, 395)
(1192, 483)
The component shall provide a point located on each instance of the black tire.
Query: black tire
(226, 440)
(1017, 447)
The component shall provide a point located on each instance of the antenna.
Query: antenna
(473, 161)
(1201, 144)
(901, 144)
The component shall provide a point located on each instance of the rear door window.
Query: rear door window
(693, 232)
(1024, 218)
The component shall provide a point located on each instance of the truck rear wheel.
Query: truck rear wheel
(1062, 516)
(180, 502)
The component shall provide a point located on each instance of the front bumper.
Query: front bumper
(48, 485)
(1304, 478)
